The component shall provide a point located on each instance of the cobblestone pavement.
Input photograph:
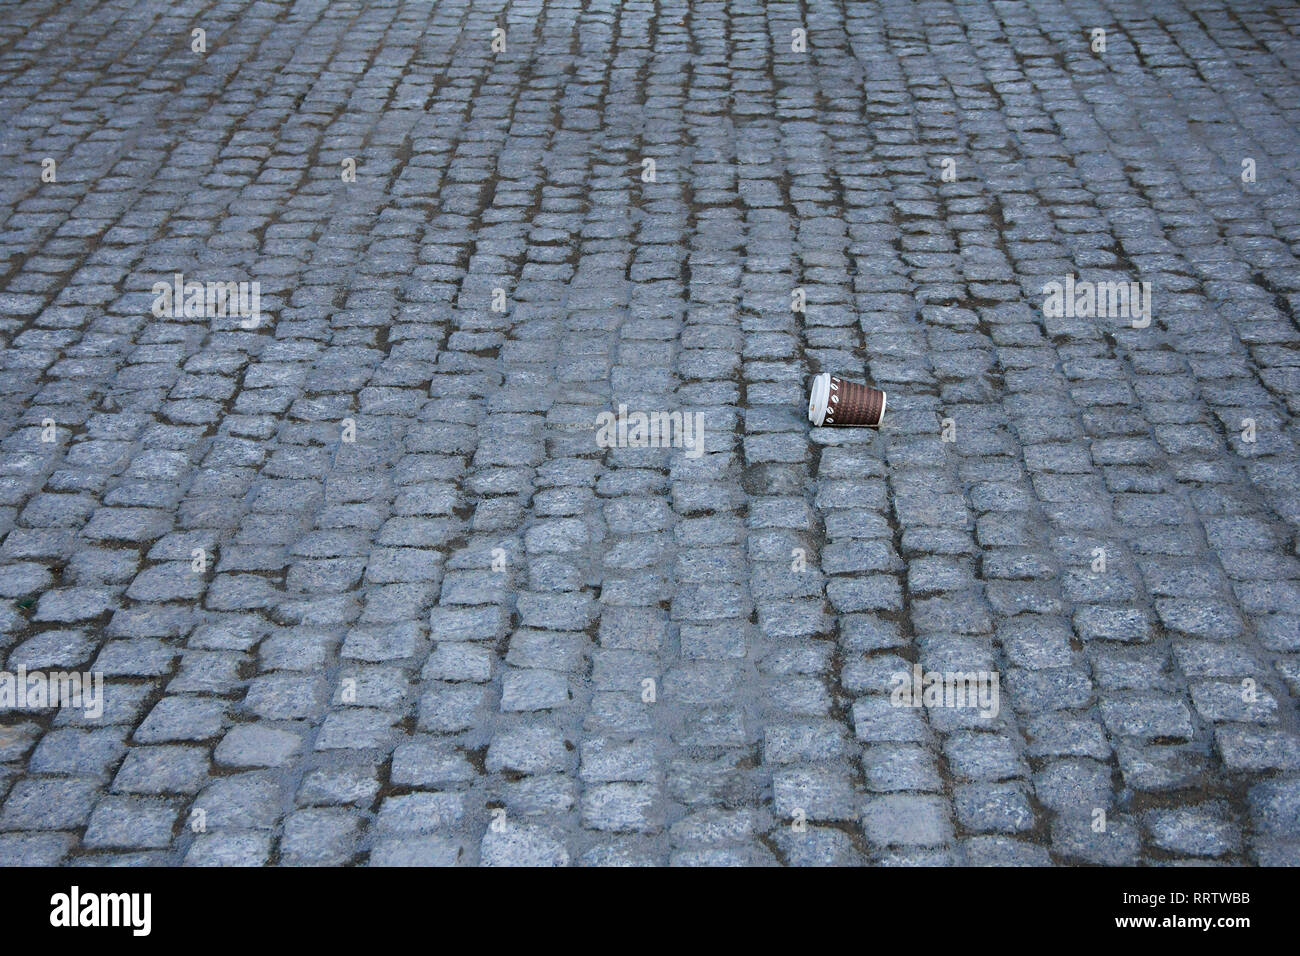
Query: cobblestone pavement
(363, 585)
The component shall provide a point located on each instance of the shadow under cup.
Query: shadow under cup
(836, 401)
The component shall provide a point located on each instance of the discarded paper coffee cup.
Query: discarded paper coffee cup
(837, 401)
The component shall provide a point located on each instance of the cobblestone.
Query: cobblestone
(365, 586)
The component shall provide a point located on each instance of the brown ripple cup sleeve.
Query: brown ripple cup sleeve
(836, 401)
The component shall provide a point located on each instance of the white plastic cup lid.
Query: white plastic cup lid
(819, 396)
